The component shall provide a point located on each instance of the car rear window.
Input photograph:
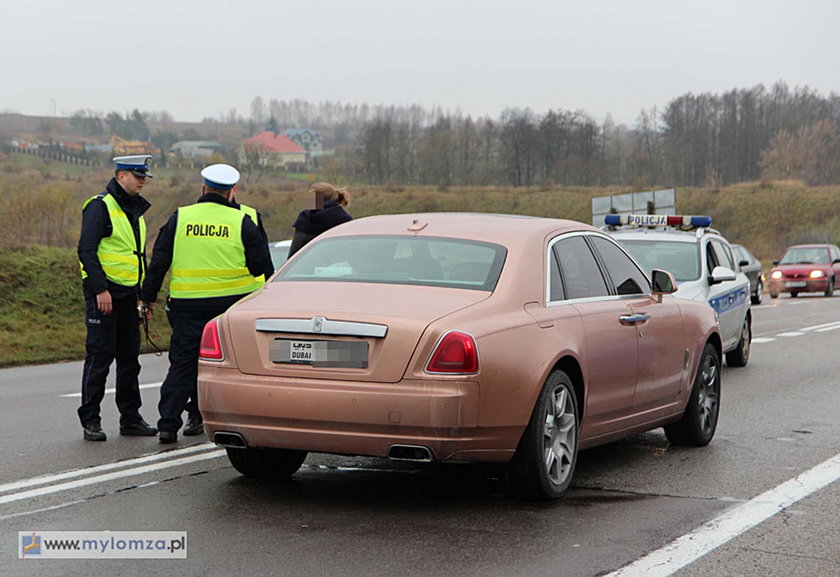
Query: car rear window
(444, 262)
(681, 259)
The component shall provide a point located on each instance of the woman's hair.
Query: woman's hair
(340, 196)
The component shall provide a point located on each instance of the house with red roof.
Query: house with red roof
(270, 150)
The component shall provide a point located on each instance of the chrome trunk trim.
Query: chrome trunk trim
(321, 326)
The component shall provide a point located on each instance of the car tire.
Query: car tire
(545, 459)
(699, 421)
(830, 290)
(273, 464)
(774, 295)
(759, 294)
(740, 355)
(793, 295)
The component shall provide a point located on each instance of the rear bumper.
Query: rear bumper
(798, 286)
(352, 418)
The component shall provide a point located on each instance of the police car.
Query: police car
(703, 264)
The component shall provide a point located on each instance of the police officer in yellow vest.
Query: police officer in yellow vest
(216, 252)
(257, 218)
(112, 254)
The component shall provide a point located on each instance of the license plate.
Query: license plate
(345, 354)
(795, 284)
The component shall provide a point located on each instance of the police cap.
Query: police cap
(220, 176)
(137, 165)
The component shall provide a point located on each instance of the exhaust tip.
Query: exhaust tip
(413, 453)
(229, 440)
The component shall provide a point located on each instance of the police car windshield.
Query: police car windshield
(443, 262)
(681, 259)
(810, 255)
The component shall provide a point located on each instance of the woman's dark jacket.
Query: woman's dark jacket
(312, 222)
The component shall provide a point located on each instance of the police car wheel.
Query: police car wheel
(740, 355)
(545, 459)
(699, 421)
(258, 463)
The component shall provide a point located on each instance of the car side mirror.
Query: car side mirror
(663, 282)
(744, 263)
(722, 274)
(775, 262)
(835, 261)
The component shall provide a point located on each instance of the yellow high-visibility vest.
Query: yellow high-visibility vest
(208, 257)
(252, 212)
(119, 255)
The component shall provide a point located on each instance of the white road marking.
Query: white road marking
(791, 334)
(108, 477)
(826, 329)
(835, 324)
(107, 391)
(692, 546)
(763, 340)
(45, 479)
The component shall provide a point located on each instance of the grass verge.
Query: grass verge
(42, 310)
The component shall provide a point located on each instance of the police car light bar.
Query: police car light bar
(657, 220)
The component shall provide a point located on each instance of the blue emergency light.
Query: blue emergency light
(657, 220)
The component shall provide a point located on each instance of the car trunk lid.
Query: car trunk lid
(341, 331)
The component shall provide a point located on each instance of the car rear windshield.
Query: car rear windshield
(810, 255)
(681, 259)
(443, 262)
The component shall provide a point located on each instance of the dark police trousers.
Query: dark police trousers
(179, 390)
(110, 337)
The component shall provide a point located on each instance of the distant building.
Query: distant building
(272, 150)
(98, 148)
(196, 148)
(309, 140)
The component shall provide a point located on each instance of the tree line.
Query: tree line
(695, 140)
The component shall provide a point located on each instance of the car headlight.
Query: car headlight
(817, 274)
(776, 274)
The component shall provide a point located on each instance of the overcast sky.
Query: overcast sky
(198, 59)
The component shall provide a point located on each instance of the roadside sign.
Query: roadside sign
(646, 202)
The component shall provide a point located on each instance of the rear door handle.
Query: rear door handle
(634, 319)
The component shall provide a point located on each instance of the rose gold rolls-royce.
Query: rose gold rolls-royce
(458, 337)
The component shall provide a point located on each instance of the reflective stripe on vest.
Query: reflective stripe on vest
(118, 254)
(252, 212)
(208, 258)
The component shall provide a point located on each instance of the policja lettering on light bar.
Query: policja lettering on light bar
(657, 220)
(222, 231)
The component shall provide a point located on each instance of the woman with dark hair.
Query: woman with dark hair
(328, 212)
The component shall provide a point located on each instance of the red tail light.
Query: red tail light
(211, 345)
(455, 353)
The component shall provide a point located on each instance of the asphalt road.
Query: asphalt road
(780, 418)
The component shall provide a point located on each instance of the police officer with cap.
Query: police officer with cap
(215, 251)
(112, 255)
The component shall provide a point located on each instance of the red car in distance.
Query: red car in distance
(806, 268)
